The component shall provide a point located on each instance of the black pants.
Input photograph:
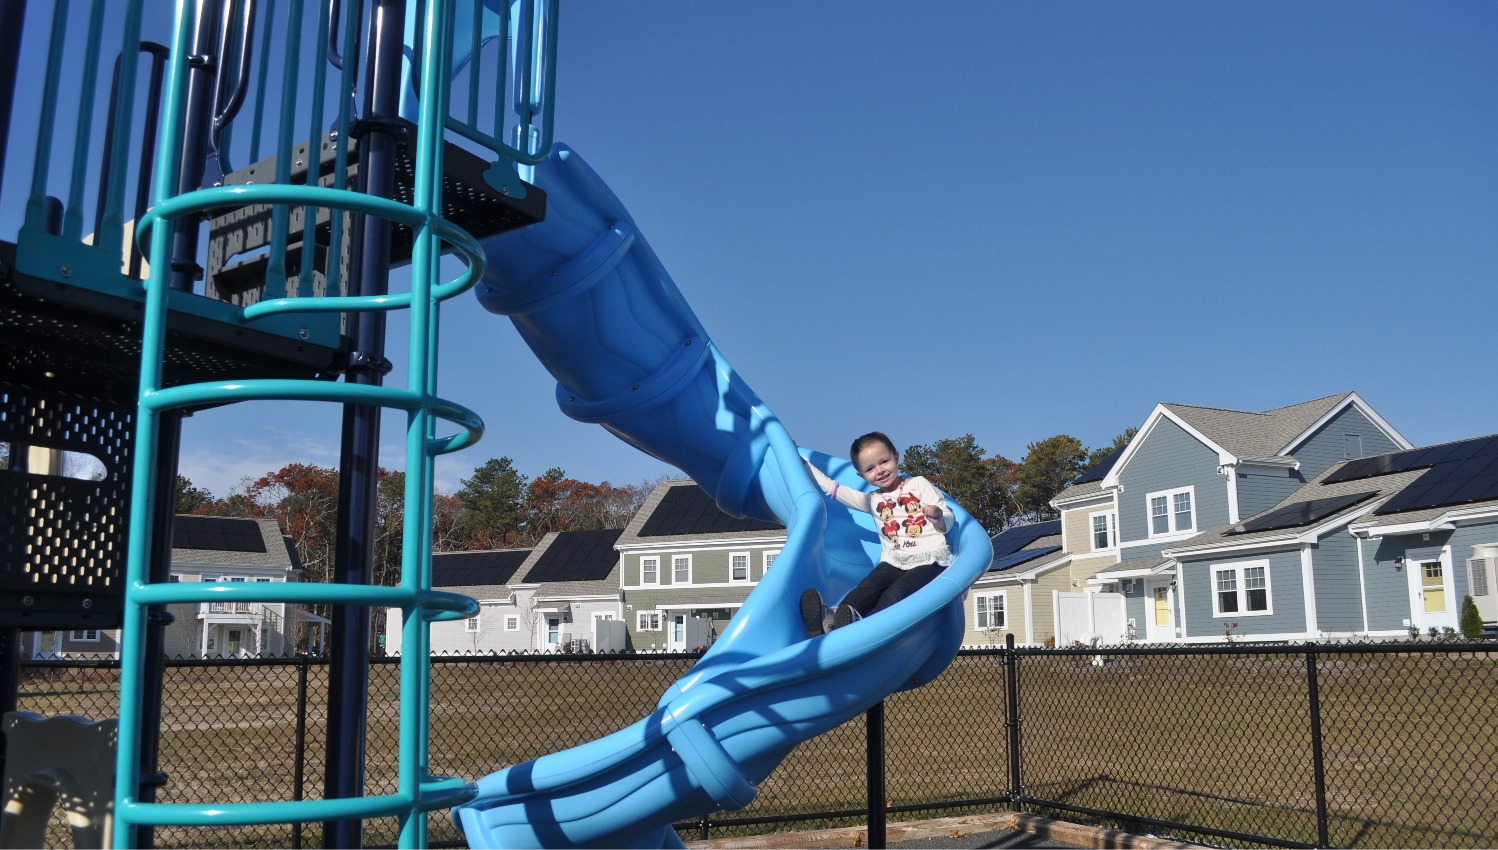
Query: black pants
(887, 585)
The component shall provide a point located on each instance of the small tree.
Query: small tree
(1471, 620)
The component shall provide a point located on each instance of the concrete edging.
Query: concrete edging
(856, 836)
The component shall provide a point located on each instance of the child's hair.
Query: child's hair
(869, 439)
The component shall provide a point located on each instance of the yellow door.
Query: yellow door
(1162, 606)
(1433, 586)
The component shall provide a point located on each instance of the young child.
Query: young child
(905, 508)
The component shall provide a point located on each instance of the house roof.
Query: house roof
(679, 510)
(1255, 435)
(231, 540)
(573, 556)
(1137, 566)
(485, 568)
(1019, 537)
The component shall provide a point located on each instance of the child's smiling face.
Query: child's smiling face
(879, 466)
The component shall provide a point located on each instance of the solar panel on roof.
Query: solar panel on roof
(1023, 556)
(1100, 470)
(457, 569)
(1301, 513)
(1464, 477)
(577, 556)
(1016, 538)
(1426, 456)
(216, 533)
(688, 509)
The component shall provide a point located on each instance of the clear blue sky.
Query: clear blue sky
(1016, 220)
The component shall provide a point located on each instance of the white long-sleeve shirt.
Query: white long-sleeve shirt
(910, 538)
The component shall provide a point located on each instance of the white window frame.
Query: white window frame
(1170, 513)
(988, 598)
(1238, 568)
(512, 623)
(656, 559)
(1112, 521)
(648, 620)
(73, 636)
(1480, 570)
(766, 558)
(471, 625)
(546, 635)
(681, 557)
(748, 576)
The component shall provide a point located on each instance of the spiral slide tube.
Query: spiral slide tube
(596, 306)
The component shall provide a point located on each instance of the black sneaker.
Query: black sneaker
(811, 612)
(845, 614)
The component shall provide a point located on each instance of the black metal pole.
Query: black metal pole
(1318, 765)
(201, 80)
(169, 442)
(1011, 718)
(159, 56)
(12, 20)
(299, 772)
(874, 727)
(353, 563)
(10, 679)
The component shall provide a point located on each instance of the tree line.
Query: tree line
(499, 507)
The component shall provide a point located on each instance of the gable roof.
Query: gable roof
(573, 556)
(231, 540)
(1022, 544)
(679, 510)
(484, 568)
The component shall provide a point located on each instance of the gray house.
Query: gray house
(687, 567)
(547, 599)
(1379, 547)
(1192, 469)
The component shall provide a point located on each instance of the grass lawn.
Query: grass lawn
(1224, 742)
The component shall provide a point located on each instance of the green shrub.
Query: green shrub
(1471, 620)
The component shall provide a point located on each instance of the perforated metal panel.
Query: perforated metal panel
(62, 540)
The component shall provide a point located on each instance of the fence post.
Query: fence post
(1012, 719)
(874, 725)
(1318, 765)
(299, 773)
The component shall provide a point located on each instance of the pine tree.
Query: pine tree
(1471, 619)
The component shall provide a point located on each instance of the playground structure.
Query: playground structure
(279, 314)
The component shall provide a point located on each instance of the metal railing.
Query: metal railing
(1346, 745)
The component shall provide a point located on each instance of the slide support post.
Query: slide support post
(874, 726)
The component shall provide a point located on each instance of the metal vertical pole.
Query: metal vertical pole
(1011, 718)
(299, 772)
(1317, 764)
(348, 669)
(10, 679)
(168, 444)
(197, 115)
(12, 20)
(874, 727)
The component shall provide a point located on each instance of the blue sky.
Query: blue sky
(1014, 220)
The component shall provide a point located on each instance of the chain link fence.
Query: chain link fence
(1364, 745)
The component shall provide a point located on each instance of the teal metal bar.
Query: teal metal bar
(314, 155)
(72, 218)
(36, 204)
(275, 272)
(257, 123)
(112, 228)
(536, 73)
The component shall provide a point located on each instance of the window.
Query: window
(989, 611)
(174, 578)
(512, 624)
(553, 631)
(738, 566)
(647, 621)
(471, 624)
(650, 571)
(769, 559)
(1104, 530)
(1241, 590)
(1171, 512)
(1478, 569)
(681, 569)
(1352, 446)
(86, 635)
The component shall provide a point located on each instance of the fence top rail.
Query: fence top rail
(1296, 649)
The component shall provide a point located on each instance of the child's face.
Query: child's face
(879, 466)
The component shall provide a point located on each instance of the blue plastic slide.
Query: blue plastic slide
(595, 305)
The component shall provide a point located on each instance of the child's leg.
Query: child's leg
(908, 582)
(866, 595)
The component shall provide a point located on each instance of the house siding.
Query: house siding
(650, 599)
(1259, 493)
(1078, 525)
(1394, 600)
(709, 566)
(1014, 616)
(1085, 568)
(1387, 588)
(1325, 447)
(1043, 610)
(1169, 458)
(1339, 605)
(1285, 590)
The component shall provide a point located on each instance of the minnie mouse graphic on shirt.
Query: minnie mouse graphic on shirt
(890, 527)
(915, 518)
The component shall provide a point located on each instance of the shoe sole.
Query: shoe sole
(811, 613)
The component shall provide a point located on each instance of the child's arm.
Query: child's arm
(934, 506)
(855, 499)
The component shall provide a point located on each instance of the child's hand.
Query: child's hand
(931, 511)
